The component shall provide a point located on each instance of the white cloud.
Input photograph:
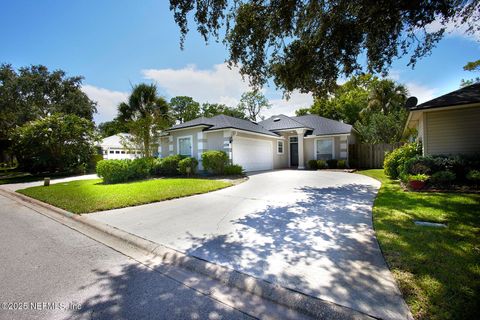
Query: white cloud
(421, 92)
(217, 85)
(287, 107)
(452, 30)
(107, 101)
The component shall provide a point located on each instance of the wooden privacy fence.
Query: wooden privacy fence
(370, 156)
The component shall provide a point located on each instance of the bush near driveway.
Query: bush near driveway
(394, 161)
(437, 269)
(84, 196)
(215, 161)
(188, 166)
(116, 171)
(233, 170)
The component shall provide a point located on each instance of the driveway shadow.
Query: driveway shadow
(322, 244)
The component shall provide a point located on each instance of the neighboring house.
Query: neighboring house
(449, 124)
(278, 142)
(113, 147)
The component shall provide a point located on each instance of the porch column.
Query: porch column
(301, 160)
(227, 145)
(170, 146)
(201, 147)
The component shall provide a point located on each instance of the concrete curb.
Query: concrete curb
(290, 298)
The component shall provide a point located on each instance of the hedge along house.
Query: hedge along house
(449, 124)
(278, 142)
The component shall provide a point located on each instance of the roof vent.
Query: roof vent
(276, 119)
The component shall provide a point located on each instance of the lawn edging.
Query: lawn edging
(287, 297)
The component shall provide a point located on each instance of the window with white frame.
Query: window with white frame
(184, 145)
(279, 147)
(324, 149)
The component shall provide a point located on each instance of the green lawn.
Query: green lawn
(437, 269)
(92, 195)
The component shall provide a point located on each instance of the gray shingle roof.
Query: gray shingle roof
(225, 122)
(323, 126)
(318, 125)
(281, 122)
(466, 95)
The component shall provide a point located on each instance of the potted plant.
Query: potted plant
(417, 181)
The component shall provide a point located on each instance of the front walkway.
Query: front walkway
(23, 185)
(309, 231)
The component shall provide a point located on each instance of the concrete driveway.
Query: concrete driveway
(305, 230)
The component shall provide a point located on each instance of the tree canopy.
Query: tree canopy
(375, 107)
(213, 109)
(110, 128)
(307, 45)
(252, 103)
(34, 92)
(473, 66)
(184, 108)
(58, 142)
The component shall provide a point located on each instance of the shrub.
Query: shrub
(140, 168)
(188, 166)
(312, 164)
(332, 163)
(418, 177)
(395, 160)
(233, 170)
(474, 176)
(419, 165)
(215, 161)
(443, 177)
(169, 165)
(113, 171)
(321, 164)
(92, 163)
(342, 164)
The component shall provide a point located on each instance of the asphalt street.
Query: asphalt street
(49, 271)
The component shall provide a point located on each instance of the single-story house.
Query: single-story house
(114, 147)
(277, 142)
(449, 124)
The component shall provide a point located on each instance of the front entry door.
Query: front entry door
(294, 154)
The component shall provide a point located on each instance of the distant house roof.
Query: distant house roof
(115, 141)
(466, 95)
(316, 125)
(224, 122)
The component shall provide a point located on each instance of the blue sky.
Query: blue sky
(114, 44)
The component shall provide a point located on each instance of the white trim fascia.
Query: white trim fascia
(283, 146)
(293, 129)
(246, 132)
(191, 144)
(326, 138)
(188, 128)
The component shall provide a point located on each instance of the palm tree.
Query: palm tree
(386, 96)
(146, 114)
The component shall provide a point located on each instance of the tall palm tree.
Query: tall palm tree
(386, 96)
(146, 114)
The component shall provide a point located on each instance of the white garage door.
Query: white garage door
(252, 154)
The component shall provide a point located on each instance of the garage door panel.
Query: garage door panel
(252, 154)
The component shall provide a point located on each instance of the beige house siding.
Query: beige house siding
(452, 131)
(340, 144)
